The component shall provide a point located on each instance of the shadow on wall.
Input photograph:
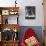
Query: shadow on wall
(37, 29)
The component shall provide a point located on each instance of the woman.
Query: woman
(30, 38)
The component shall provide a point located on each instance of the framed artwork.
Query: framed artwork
(10, 20)
(13, 12)
(30, 12)
(5, 20)
(5, 12)
(8, 34)
(13, 20)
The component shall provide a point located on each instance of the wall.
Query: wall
(22, 3)
(39, 13)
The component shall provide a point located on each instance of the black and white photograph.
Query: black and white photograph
(30, 12)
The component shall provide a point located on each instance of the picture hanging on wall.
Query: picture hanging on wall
(30, 12)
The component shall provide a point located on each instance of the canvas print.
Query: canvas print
(8, 34)
(30, 12)
(10, 19)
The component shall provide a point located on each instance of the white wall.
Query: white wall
(39, 13)
(22, 3)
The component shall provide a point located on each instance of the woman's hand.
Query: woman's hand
(32, 41)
